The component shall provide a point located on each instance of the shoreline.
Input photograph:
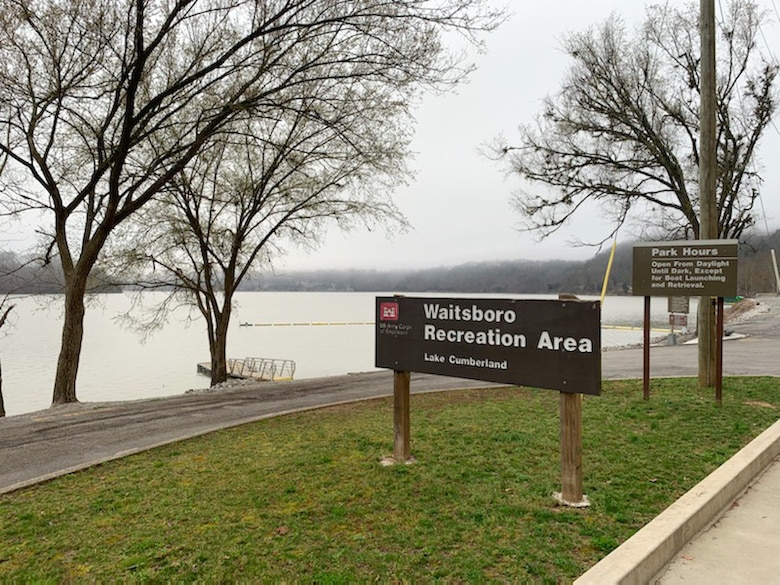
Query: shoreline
(739, 313)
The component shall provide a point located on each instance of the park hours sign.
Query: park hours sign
(685, 268)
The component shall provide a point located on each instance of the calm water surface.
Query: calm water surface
(117, 364)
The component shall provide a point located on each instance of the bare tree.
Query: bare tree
(104, 102)
(333, 154)
(623, 130)
(5, 309)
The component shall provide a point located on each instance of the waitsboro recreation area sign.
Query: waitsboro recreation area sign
(554, 344)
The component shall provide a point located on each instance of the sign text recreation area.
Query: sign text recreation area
(553, 344)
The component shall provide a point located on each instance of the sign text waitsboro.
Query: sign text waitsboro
(543, 343)
(685, 268)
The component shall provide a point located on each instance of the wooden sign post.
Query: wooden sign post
(570, 407)
(401, 417)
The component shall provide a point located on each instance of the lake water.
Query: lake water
(117, 365)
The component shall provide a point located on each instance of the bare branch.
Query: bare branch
(623, 130)
(104, 104)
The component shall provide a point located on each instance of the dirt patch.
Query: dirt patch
(743, 309)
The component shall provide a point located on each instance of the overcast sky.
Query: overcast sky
(459, 203)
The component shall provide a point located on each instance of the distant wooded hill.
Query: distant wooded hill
(24, 275)
(517, 276)
(509, 277)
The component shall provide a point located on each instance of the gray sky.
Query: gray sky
(459, 203)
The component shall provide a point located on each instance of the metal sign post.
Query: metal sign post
(719, 352)
(646, 352)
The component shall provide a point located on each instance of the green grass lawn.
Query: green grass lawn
(304, 498)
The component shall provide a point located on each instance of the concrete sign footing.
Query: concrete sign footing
(583, 503)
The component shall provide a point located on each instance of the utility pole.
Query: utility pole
(708, 224)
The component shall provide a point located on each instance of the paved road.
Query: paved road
(61, 440)
(753, 351)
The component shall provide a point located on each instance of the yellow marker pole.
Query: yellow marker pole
(606, 274)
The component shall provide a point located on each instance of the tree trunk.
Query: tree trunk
(218, 345)
(707, 338)
(2, 404)
(72, 338)
(708, 180)
(4, 316)
(219, 359)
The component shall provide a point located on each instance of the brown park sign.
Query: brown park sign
(680, 305)
(551, 344)
(685, 268)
